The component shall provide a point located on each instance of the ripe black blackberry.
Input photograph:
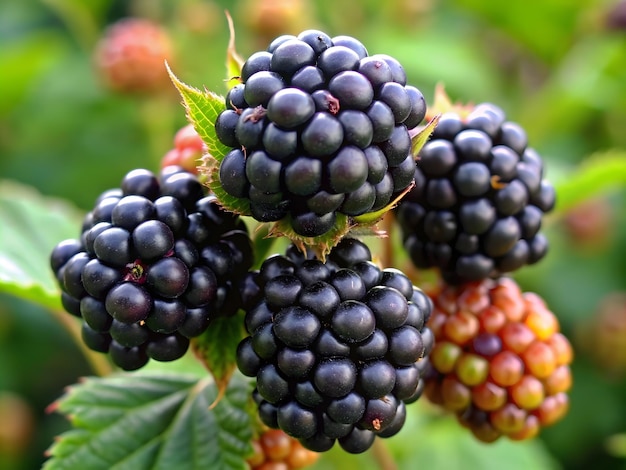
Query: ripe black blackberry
(337, 347)
(318, 128)
(479, 198)
(156, 261)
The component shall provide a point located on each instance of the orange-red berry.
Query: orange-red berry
(131, 55)
(499, 361)
(275, 450)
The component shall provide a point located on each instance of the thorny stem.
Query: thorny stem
(98, 362)
(382, 456)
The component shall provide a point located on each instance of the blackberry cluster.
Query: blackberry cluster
(479, 198)
(337, 347)
(157, 259)
(275, 450)
(318, 127)
(499, 362)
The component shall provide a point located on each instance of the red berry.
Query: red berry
(528, 393)
(508, 419)
(276, 444)
(188, 138)
(488, 396)
(130, 56)
(461, 327)
(516, 337)
(275, 450)
(187, 152)
(499, 361)
(506, 368)
(539, 359)
(300, 457)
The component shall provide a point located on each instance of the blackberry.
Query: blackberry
(499, 362)
(337, 347)
(156, 261)
(479, 198)
(317, 128)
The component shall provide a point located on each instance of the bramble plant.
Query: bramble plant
(252, 247)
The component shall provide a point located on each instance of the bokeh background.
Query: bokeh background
(557, 67)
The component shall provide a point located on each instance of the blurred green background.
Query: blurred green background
(558, 67)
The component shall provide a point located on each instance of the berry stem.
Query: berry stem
(382, 456)
(98, 363)
(388, 258)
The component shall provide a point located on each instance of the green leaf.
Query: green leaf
(152, 421)
(217, 347)
(202, 108)
(598, 174)
(31, 227)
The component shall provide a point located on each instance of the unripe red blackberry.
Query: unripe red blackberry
(156, 261)
(130, 56)
(187, 151)
(318, 128)
(479, 198)
(337, 347)
(603, 335)
(589, 225)
(274, 450)
(499, 361)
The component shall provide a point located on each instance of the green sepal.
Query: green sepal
(371, 218)
(210, 167)
(203, 108)
(419, 139)
(216, 348)
(320, 245)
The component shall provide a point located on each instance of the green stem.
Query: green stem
(388, 256)
(382, 456)
(98, 362)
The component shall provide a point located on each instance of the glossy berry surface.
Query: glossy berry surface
(479, 198)
(156, 261)
(499, 362)
(337, 347)
(318, 128)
